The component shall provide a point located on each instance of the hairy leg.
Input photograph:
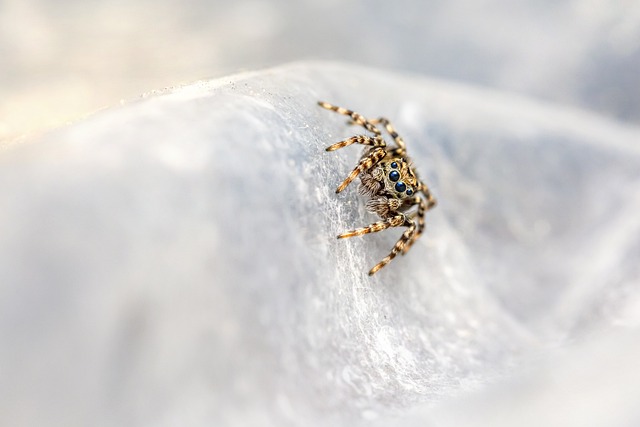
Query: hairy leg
(420, 228)
(391, 130)
(355, 117)
(423, 206)
(376, 141)
(398, 247)
(394, 221)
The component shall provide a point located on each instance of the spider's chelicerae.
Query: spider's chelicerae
(387, 177)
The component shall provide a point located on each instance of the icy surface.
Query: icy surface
(174, 261)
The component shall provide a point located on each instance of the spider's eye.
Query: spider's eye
(394, 175)
(400, 186)
(394, 165)
(409, 192)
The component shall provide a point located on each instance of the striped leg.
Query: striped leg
(394, 221)
(357, 118)
(431, 201)
(398, 247)
(359, 139)
(420, 216)
(423, 206)
(387, 125)
(365, 163)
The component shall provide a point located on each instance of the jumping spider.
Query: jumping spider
(387, 177)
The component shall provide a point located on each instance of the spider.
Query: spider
(388, 178)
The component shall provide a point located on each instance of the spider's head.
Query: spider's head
(399, 179)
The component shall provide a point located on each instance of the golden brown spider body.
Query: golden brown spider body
(387, 177)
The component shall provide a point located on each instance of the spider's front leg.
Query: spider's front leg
(365, 164)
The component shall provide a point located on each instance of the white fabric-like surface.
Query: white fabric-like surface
(174, 261)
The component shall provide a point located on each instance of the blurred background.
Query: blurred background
(61, 60)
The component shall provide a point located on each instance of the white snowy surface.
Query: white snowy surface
(173, 262)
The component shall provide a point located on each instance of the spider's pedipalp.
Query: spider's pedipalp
(383, 206)
(365, 164)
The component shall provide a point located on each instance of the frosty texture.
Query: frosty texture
(174, 261)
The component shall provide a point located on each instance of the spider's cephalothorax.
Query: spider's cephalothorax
(388, 179)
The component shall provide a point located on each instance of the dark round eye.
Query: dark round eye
(409, 192)
(400, 186)
(394, 175)
(394, 165)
